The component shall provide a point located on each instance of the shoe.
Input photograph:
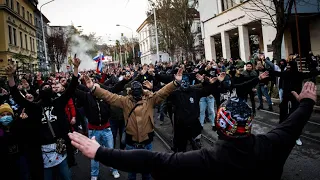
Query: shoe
(214, 128)
(298, 142)
(94, 178)
(260, 107)
(116, 174)
(270, 108)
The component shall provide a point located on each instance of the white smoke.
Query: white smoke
(80, 46)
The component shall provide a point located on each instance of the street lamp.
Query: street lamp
(132, 38)
(43, 35)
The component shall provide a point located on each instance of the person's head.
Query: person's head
(59, 88)
(292, 66)
(6, 114)
(136, 90)
(63, 81)
(185, 82)
(249, 66)
(29, 97)
(234, 119)
(45, 92)
(259, 65)
(262, 57)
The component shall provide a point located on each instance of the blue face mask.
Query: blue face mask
(185, 83)
(6, 120)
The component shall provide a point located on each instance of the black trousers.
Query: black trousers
(288, 105)
(184, 133)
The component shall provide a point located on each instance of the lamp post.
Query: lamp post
(43, 35)
(133, 54)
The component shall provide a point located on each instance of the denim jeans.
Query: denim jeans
(207, 103)
(63, 168)
(103, 137)
(263, 90)
(280, 94)
(117, 126)
(133, 176)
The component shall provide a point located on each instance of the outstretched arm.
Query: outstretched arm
(283, 137)
(14, 90)
(143, 161)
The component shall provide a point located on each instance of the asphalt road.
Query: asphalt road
(82, 170)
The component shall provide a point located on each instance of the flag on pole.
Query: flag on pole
(99, 59)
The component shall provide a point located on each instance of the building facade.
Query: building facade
(17, 32)
(230, 30)
(43, 65)
(147, 42)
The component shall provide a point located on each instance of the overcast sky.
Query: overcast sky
(99, 16)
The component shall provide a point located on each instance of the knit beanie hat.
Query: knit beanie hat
(234, 119)
(6, 108)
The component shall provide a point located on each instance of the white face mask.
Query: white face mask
(120, 78)
(214, 67)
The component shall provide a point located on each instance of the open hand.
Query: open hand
(87, 146)
(200, 77)
(264, 75)
(10, 70)
(147, 84)
(212, 80)
(178, 76)
(309, 91)
(89, 82)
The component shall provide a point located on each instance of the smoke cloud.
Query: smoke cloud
(80, 46)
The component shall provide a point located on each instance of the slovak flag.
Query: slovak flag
(99, 59)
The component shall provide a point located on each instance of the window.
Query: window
(23, 13)
(10, 34)
(31, 44)
(18, 7)
(14, 37)
(227, 4)
(21, 40)
(26, 40)
(36, 22)
(28, 17)
(11, 5)
(31, 20)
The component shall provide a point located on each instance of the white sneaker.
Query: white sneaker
(94, 178)
(116, 174)
(298, 142)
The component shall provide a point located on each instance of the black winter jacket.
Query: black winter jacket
(97, 110)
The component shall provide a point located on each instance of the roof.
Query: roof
(145, 22)
(45, 19)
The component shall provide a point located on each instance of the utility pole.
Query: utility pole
(156, 28)
(298, 32)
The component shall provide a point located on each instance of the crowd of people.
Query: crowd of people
(45, 120)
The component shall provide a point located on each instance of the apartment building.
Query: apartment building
(17, 31)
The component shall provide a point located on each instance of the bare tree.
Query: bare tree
(277, 14)
(174, 20)
(58, 48)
